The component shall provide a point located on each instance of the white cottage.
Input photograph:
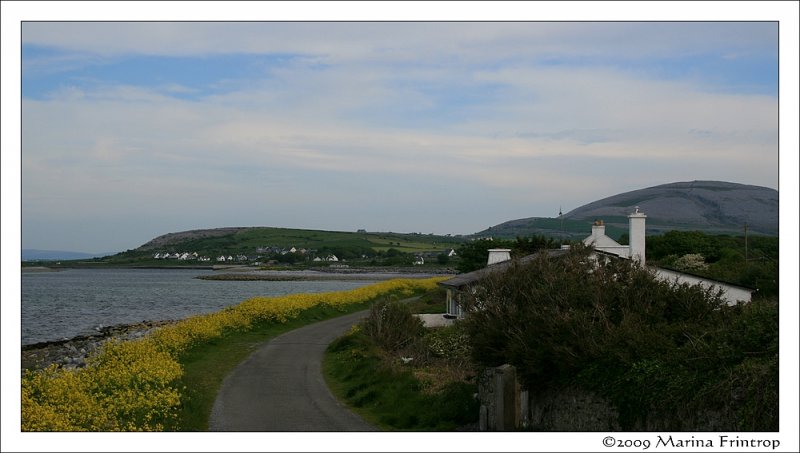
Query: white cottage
(500, 259)
(731, 294)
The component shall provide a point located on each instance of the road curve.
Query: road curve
(280, 386)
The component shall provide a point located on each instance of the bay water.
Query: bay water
(72, 302)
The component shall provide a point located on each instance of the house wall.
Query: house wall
(731, 294)
(453, 308)
(622, 251)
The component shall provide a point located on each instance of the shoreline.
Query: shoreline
(320, 275)
(39, 269)
(72, 353)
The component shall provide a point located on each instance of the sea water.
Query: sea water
(72, 302)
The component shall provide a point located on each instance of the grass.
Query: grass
(430, 302)
(391, 396)
(206, 366)
(431, 393)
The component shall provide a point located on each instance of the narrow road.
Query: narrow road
(280, 386)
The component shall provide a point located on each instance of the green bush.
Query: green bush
(649, 346)
(391, 325)
(390, 395)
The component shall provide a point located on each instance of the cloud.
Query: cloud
(415, 41)
(481, 112)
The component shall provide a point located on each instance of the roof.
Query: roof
(676, 271)
(468, 278)
(702, 277)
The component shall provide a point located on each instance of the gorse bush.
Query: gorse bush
(133, 385)
(649, 346)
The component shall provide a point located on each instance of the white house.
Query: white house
(636, 232)
(732, 294)
(500, 259)
(419, 261)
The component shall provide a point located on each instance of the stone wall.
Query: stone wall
(506, 406)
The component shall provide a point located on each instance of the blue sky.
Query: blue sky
(131, 130)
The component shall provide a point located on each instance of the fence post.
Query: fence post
(501, 408)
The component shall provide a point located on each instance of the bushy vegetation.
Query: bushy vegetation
(135, 385)
(720, 257)
(402, 376)
(474, 254)
(654, 349)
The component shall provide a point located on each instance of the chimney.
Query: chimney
(598, 230)
(499, 255)
(636, 235)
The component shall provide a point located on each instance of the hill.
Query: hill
(242, 239)
(708, 206)
(268, 243)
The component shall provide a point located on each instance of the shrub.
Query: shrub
(392, 326)
(691, 262)
(390, 395)
(648, 345)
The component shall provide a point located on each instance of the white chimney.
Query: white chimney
(598, 230)
(499, 255)
(637, 236)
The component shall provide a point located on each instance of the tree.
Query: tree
(475, 254)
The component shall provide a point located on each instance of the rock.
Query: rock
(72, 353)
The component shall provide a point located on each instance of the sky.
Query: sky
(131, 130)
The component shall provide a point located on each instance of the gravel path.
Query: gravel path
(280, 386)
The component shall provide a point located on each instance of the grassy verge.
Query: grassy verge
(431, 302)
(139, 385)
(206, 366)
(431, 392)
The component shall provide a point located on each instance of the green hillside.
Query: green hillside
(265, 243)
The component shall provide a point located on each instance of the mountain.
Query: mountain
(52, 255)
(709, 206)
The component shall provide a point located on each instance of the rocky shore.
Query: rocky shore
(72, 353)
